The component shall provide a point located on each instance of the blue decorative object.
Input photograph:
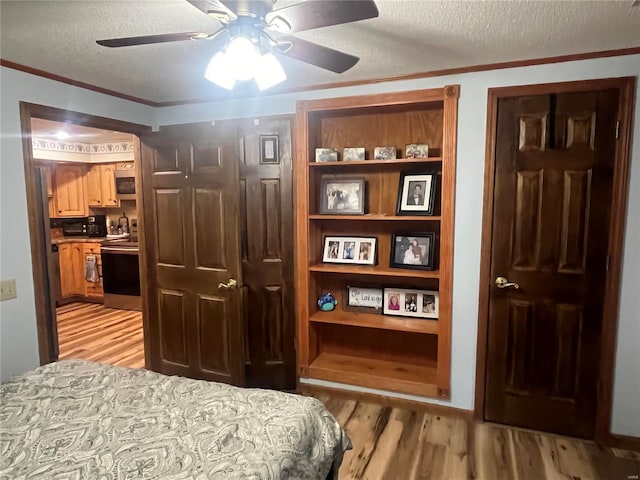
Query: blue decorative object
(327, 302)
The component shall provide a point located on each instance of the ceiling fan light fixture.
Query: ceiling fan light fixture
(269, 72)
(219, 71)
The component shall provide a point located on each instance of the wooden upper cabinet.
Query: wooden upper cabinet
(101, 186)
(108, 186)
(94, 190)
(69, 192)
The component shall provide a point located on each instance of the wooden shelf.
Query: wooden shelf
(378, 321)
(395, 162)
(378, 218)
(373, 373)
(376, 270)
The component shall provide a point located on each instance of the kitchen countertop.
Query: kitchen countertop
(58, 241)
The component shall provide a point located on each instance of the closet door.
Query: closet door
(266, 223)
(190, 178)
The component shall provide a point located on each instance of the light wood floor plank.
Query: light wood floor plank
(412, 445)
(93, 332)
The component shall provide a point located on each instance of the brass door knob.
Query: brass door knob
(502, 282)
(232, 283)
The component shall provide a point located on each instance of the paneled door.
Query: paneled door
(552, 197)
(266, 232)
(190, 188)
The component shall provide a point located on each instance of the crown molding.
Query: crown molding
(59, 150)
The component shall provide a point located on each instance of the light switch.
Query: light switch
(8, 289)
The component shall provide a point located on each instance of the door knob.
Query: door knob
(232, 283)
(502, 282)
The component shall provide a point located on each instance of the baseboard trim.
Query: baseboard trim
(623, 442)
(433, 409)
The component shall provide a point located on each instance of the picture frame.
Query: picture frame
(269, 150)
(413, 251)
(363, 299)
(350, 250)
(384, 153)
(404, 302)
(416, 193)
(416, 150)
(351, 154)
(342, 195)
(326, 155)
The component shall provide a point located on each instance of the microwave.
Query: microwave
(125, 184)
(93, 226)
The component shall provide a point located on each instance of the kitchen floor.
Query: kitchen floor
(91, 331)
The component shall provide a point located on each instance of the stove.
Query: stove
(121, 274)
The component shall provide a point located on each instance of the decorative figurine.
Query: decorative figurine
(327, 302)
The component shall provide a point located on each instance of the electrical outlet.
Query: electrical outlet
(8, 289)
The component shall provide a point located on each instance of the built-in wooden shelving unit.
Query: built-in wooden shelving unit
(368, 349)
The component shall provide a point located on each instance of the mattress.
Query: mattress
(75, 419)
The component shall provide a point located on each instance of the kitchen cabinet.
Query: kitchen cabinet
(69, 191)
(94, 190)
(108, 186)
(71, 269)
(101, 186)
(92, 289)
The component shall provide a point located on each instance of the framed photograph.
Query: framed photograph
(404, 302)
(414, 251)
(384, 153)
(351, 250)
(416, 150)
(363, 299)
(342, 195)
(269, 153)
(326, 155)
(351, 154)
(416, 194)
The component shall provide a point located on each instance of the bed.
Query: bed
(75, 419)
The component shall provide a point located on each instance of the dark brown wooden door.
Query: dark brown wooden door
(266, 216)
(554, 166)
(190, 187)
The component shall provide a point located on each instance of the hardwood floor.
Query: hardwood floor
(93, 332)
(398, 444)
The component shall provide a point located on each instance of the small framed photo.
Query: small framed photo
(411, 303)
(351, 250)
(342, 195)
(363, 299)
(352, 154)
(384, 153)
(416, 194)
(269, 153)
(414, 251)
(416, 150)
(326, 155)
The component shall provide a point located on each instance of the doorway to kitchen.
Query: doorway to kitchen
(83, 200)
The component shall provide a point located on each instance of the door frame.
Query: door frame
(27, 112)
(626, 89)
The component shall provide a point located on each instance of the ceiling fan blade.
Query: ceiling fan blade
(315, 54)
(215, 9)
(148, 39)
(323, 13)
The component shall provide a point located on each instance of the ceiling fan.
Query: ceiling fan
(244, 45)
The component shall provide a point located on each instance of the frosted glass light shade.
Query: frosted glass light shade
(219, 71)
(243, 57)
(269, 72)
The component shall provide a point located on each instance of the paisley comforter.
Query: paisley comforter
(81, 420)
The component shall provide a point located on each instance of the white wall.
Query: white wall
(469, 186)
(18, 338)
(19, 345)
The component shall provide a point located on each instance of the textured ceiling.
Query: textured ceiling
(408, 37)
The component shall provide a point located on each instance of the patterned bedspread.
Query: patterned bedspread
(80, 420)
